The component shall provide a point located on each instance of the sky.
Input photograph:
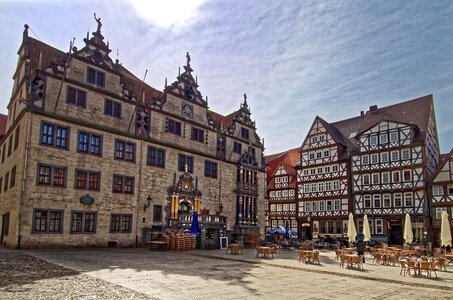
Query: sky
(294, 59)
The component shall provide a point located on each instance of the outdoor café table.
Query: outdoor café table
(308, 255)
(349, 259)
(235, 248)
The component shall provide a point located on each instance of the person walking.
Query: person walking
(361, 249)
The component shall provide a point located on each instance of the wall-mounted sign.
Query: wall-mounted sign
(86, 200)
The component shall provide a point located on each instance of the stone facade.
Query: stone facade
(126, 124)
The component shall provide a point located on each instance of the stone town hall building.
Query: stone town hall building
(92, 155)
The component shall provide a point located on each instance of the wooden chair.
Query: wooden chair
(357, 261)
(404, 267)
(433, 267)
(315, 258)
(343, 259)
(442, 263)
(337, 254)
(377, 258)
(424, 258)
(425, 267)
(302, 256)
(411, 265)
(259, 252)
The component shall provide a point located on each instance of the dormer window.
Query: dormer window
(96, 77)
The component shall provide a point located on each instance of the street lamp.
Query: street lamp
(148, 202)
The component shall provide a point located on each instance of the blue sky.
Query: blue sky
(295, 59)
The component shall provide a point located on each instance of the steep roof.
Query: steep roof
(288, 159)
(44, 54)
(443, 159)
(415, 112)
(3, 120)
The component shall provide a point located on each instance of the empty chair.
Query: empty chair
(315, 258)
(343, 259)
(357, 261)
(411, 265)
(377, 258)
(337, 254)
(433, 267)
(442, 263)
(404, 267)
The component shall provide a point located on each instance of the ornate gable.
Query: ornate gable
(243, 114)
(186, 86)
(95, 50)
(248, 159)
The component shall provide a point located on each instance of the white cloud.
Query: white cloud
(168, 14)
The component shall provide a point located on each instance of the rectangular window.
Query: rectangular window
(365, 160)
(322, 206)
(318, 154)
(96, 77)
(83, 222)
(373, 140)
(306, 188)
(51, 175)
(328, 186)
(210, 169)
(307, 206)
(10, 145)
(157, 213)
(374, 158)
(375, 178)
(47, 221)
(197, 135)
(120, 223)
(326, 153)
(396, 176)
(76, 97)
(173, 127)
(88, 180)
(450, 189)
(89, 143)
(13, 177)
(155, 157)
(55, 135)
(438, 190)
(439, 211)
(124, 150)
(184, 160)
(245, 133)
(383, 139)
(5, 186)
(367, 201)
(321, 187)
(407, 175)
(377, 201)
(237, 147)
(123, 184)
(408, 200)
(379, 226)
(395, 155)
(397, 200)
(112, 108)
(384, 157)
(386, 177)
(405, 154)
(16, 137)
(394, 136)
(387, 199)
(337, 205)
(366, 179)
(5, 224)
(335, 168)
(329, 205)
(336, 185)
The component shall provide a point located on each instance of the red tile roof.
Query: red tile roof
(3, 120)
(288, 159)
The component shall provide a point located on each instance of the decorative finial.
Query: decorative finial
(206, 100)
(179, 71)
(188, 59)
(88, 35)
(98, 20)
(26, 30)
(245, 97)
(196, 79)
(165, 81)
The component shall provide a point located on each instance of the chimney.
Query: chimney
(373, 108)
(361, 113)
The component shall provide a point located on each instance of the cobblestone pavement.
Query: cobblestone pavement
(216, 275)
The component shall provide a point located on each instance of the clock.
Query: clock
(187, 110)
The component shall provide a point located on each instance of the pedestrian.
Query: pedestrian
(361, 249)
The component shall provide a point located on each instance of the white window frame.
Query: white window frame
(375, 178)
(408, 196)
(273, 207)
(438, 190)
(383, 139)
(386, 197)
(373, 140)
(367, 198)
(314, 206)
(322, 205)
(377, 199)
(329, 206)
(336, 185)
(379, 226)
(394, 136)
(395, 155)
(395, 196)
(374, 158)
(337, 205)
(365, 160)
(307, 188)
(405, 154)
(366, 179)
(279, 207)
(384, 157)
(384, 176)
(410, 176)
(307, 206)
(328, 186)
(286, 207)
(439, 211)
(393, 176)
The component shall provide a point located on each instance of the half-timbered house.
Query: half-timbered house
(323, 183)
(441, 192)
(281, 190)
(396, 152)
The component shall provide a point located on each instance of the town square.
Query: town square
(235, 149)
